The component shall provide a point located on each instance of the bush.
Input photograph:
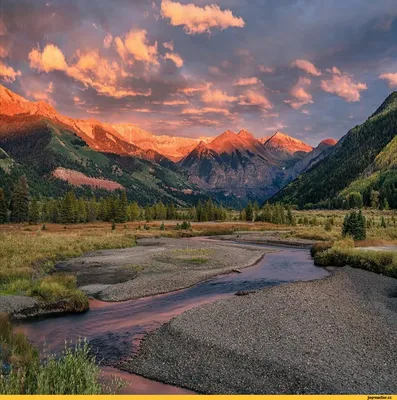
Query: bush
(380, 262)
(320, 247)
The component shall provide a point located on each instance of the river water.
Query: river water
(114, 330)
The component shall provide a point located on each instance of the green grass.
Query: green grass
(27, 259)
(197, 260)
(74, 371)
(344, 253)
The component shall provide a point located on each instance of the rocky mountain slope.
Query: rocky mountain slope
(363, 160)
(57, 153)
(238, 163)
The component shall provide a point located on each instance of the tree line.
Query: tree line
(21, 207)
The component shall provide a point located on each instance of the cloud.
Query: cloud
(90, 69)
(266, 70)
(247, 81)
(391, 79)
(137, 45)
(300, 93)
(216, 96)
(35, 90)
(51, 59)
(196, 19)
(169, 45)
(175, 57)
(205, 110)
(107, 42)
(306, 66)
(342, 85)
(8, 73)
(254, 98)
(3, 52)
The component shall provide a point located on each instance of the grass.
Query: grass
(74, 371)
(28, 257)
(344, 252)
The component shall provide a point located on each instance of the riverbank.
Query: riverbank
(156, 266)
(335, 335)
(153, 266)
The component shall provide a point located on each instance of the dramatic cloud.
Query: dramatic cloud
(137, 45)
(196, 19)
(254, 98)
(175, 57)
(306, 66)
(247, 81)
(391, 79)
(343, 86)
(216, 96)
(51, 59)
(8, 73)
(300, 93)
(90, 69)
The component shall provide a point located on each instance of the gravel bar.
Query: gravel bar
(336, 335)
(156, 266)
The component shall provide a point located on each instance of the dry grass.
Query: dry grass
(26, 258)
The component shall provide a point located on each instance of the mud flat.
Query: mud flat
(156, 266)
(335, 335)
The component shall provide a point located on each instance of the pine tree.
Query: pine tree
(249, 212)
(3, 207)
(69, 209)
(20, 201)
(34, 212)
(135, 211)
(121, 212)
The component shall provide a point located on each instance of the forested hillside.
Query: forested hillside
(364, 160)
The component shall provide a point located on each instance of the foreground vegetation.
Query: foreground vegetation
(28, 257)
(344, 252)
(74, 371)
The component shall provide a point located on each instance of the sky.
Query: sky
(309, 68)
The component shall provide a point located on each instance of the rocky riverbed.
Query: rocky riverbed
(335, 335)
(152, 267)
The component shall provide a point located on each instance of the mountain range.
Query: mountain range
(364, 161)
(57, 152)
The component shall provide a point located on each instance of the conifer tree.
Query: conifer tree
(121, 212)
(34, 212)
(20, 201)
(3, 207)
(135, 211)
(249, 212)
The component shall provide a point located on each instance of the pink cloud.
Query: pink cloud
(176, 58)
(169, 45)
(267, 70)
(90, 69)
(300, 93)
(51, 59)
(196, 19)
(391, 79)
(216, 96)
(247, 81)
(137, 46)
(254, 98)
(107, 42)
(342, 85)
(8, 73)
(306, 66)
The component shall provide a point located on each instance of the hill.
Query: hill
(363, 160)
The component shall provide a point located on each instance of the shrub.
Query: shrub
(320, 247)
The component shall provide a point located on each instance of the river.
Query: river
(115, 330)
